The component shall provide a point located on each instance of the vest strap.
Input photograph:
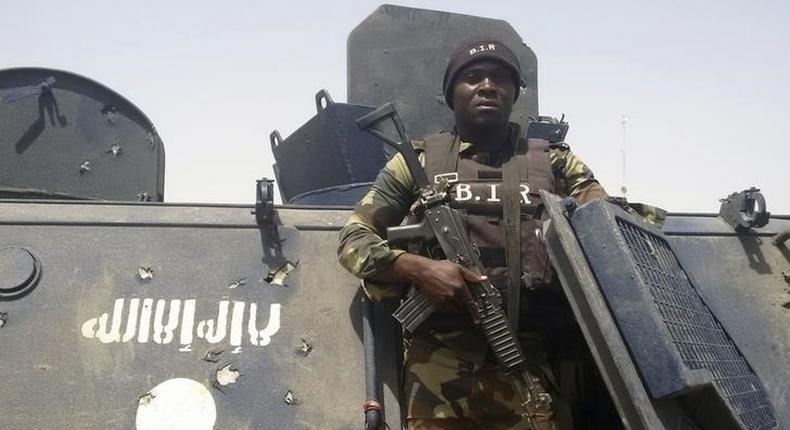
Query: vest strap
(529, 267)
(441, 153)
(538, 166)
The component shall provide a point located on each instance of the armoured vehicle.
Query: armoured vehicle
(119, 310)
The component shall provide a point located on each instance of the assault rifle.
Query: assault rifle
(442, 223)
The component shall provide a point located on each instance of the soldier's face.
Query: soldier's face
(483, 95)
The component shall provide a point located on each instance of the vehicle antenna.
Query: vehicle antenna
(623, 187)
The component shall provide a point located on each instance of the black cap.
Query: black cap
(479, 48)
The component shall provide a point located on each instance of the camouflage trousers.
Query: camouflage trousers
(451, 382)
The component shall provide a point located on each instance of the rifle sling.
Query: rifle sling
(511, 214)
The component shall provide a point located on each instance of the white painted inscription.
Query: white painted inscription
(166, 320)
(463, 193)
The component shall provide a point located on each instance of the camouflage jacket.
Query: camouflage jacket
(363, 249)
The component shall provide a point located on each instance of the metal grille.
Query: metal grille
(695, 331)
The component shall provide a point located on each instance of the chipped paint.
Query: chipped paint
(3, 319)
(110, 114)
(176, 404)
(146, 398)
(160, 321)
(290, 399)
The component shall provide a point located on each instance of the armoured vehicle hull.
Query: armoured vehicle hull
(133, 297)
(191, 316)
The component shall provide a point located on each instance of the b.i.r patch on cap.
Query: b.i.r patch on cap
(482, 48)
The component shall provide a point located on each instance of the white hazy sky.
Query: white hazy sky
(705, 85)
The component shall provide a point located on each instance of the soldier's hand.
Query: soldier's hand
(442, 282)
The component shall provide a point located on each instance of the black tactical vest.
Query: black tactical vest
(478, 194)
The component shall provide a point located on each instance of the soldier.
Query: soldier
(450, 379)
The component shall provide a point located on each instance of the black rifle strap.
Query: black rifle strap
(511, 214)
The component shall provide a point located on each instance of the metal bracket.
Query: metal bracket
(744, 210)
(29, 91)
(322, 100)
(445, 178)
(264, 202)
(549, 128)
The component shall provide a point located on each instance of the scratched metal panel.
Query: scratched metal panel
(74, 356)
(745, 280)
(400, 53)
(73, 137)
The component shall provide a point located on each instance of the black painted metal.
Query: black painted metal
(745, 210)
(399, 54)
(65, 136)
(56, 360)
(20, 271)
(316, 164)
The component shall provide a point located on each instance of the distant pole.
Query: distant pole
(623, 187)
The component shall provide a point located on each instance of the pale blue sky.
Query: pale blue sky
(705, 85)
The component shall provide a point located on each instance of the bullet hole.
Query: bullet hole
(145, 274)
(225, 376)
(213, 355)
(238, 283)
(277, 277)
(304, 349)
(110, 113)
(115, 149)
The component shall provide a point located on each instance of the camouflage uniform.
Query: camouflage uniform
(450, 381)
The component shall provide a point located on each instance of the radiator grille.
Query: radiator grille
(699, 337)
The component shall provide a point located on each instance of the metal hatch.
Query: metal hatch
(399, 54)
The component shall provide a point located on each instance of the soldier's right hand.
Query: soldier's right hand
(442, 282)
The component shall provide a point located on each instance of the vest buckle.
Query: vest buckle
(445, 179)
